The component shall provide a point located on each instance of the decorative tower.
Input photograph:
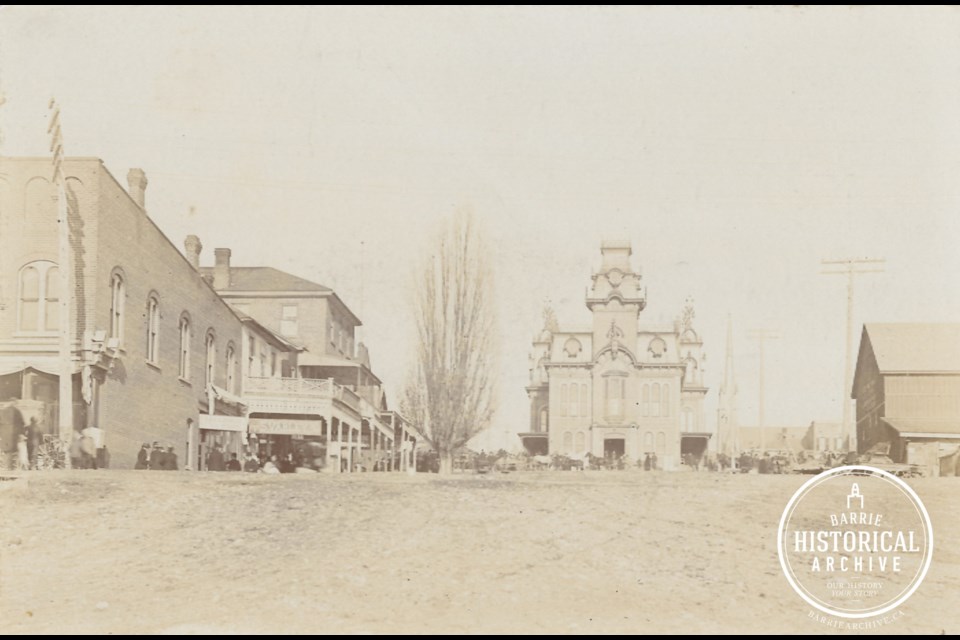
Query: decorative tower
(535, 438)
(616, 298)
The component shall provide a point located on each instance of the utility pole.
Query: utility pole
(65, 267)
(762, 335)
(850, 267)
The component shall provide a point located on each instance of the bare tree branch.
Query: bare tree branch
(450, 395)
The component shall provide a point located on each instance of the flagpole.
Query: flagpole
(65, 294)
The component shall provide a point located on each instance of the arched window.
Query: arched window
(153, 329)
(584, 402)
(645, 401)
(567, 442)
(580, 445)
(544, 420)
(51, 297)
(661, 444)
(211, 349)
(184, 347)
(39, 298)
(574, 400)
(116, 307)
(648, 442)
(231, 369)
(665, 401)
(655, 400)
(563, 399)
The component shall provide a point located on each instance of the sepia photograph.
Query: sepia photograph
(479, 320)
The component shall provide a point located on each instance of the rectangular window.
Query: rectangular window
(614, 397)
(251, 354)
(288, 320)
(273, 364)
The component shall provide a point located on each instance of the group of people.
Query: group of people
(217, 460)
(156, 457)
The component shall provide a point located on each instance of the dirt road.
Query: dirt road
(632, 552)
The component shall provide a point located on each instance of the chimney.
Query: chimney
(221, 269)
(137, 186)
(193, 246)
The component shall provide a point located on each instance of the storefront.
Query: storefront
(229, 433)
(301, 440)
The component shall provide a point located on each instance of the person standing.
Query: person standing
(234, 464)
(143, 457)
(90, 445)
(170, 460)
(34, 440)
(156, 457)
(215, 460)
(23, 457)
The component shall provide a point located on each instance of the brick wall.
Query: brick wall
(142, 402)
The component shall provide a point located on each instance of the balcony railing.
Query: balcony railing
(306, 388)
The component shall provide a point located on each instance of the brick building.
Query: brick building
(329, 394)
(157, 354)
(622, 386)
(149, 336)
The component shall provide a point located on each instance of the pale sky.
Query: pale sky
(736, 147)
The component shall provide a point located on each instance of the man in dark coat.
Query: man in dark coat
(215, 460)
(169, 461)
(143, 457)
(156, 457)
(234, 463)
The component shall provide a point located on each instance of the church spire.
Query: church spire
(727, 426)
(729, 386)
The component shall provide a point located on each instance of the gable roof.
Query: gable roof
(272, 336)
(915, 347)
(266, 279)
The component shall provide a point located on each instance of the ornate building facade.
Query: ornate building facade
(620, 387)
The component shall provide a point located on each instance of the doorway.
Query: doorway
(614, 448)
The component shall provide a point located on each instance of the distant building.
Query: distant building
(620, 387)
(907, 389)
(328, 394)
(825, 436)
(772, 438)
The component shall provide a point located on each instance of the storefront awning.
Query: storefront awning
(288, 427)
(46, 365)
(223, 423)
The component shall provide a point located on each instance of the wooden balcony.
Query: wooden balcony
(297, 395)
